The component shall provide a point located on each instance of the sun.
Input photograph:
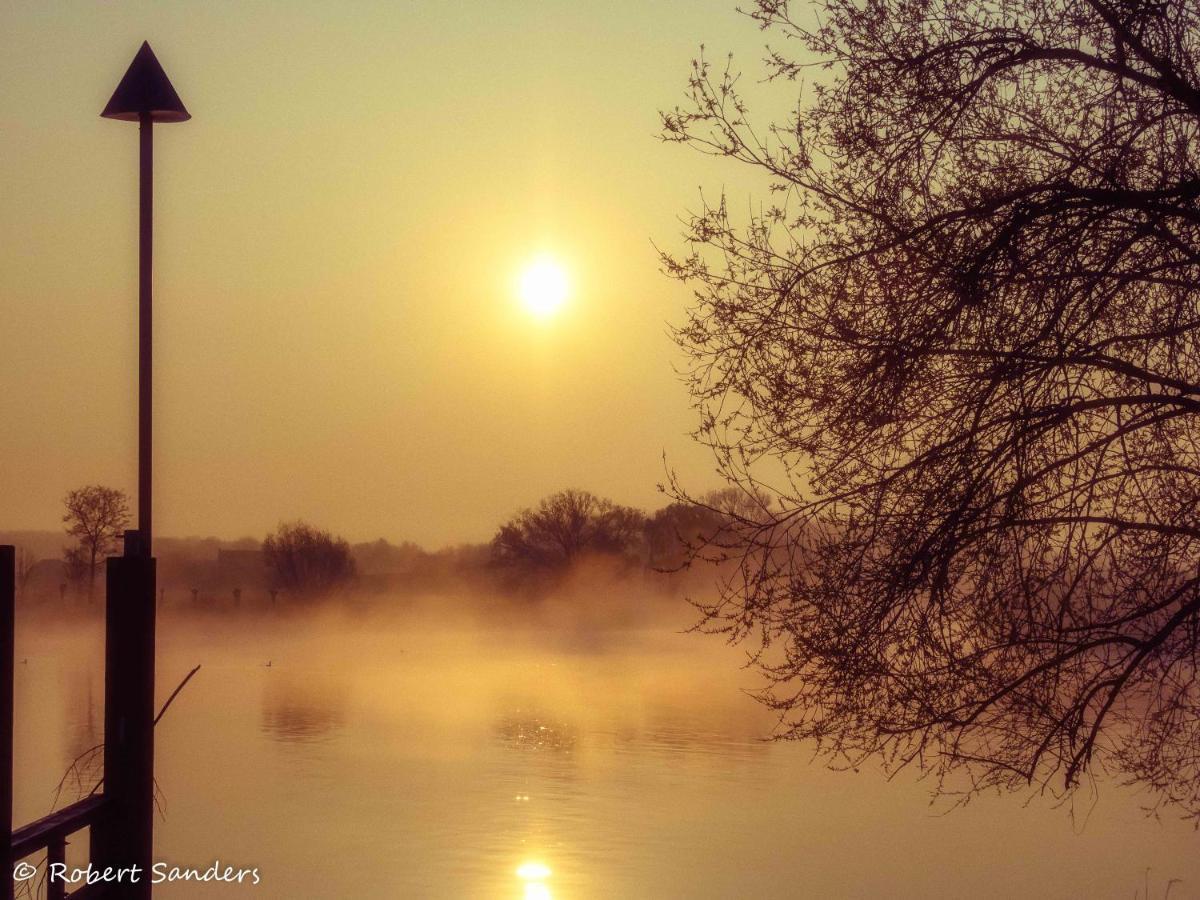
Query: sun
(543, 287)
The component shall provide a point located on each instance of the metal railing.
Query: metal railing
(50, 833)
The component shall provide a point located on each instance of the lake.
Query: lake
(409, 756)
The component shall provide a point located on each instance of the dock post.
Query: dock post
(8, 581)
(127, 836)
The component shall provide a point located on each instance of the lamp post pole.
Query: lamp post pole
(145, 95)
(145, 322)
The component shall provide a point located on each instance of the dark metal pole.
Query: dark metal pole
(8, 676)
(145, 323)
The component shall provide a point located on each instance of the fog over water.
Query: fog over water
(429, 751)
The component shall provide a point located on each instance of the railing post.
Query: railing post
(56, 855)
(8, 581)
(126, 836)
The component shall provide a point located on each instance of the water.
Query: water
(410, 759)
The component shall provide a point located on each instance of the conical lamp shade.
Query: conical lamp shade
(146, 89)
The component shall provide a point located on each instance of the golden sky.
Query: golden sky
(340, 231)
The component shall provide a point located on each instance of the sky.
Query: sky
(340, 232)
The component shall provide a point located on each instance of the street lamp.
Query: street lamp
(145, 96)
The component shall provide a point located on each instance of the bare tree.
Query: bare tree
(96, 517)
(307, 560)
(706, 529)
(964, 328)
(566, 525)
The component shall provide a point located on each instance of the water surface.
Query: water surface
(411, 758)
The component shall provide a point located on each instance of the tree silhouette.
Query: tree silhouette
(25, 561)
(686, 530)
(96, 517)
(564, 526)
(964, 329)
(308, 561)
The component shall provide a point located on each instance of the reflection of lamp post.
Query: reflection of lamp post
(145, 96)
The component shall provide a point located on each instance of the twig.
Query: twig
(175, 693)
(78, 769)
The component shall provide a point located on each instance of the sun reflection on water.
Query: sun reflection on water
(534, 874)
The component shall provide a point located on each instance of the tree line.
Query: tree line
(303, 561)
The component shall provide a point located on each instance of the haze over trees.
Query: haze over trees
(24, 562)
(526, 560)
(963, 327)
(308, 561)
(566, 525)
(96, 517)
(686, 530)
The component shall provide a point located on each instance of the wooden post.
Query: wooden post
(126, 837)
(56, 855)
(8, 584)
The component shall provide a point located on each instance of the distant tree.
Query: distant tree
(96, 517)
(381, 556)
(738, 503)
(566, 525)
(25, 562)
(679, 533)
(686, 530)
(962, 335)
(75, 570)
(308, 561)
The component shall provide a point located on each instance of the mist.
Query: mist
(434, 742)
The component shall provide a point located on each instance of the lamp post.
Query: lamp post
(126, 836)
(145, 96)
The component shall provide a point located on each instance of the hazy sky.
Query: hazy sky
(340, 230)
